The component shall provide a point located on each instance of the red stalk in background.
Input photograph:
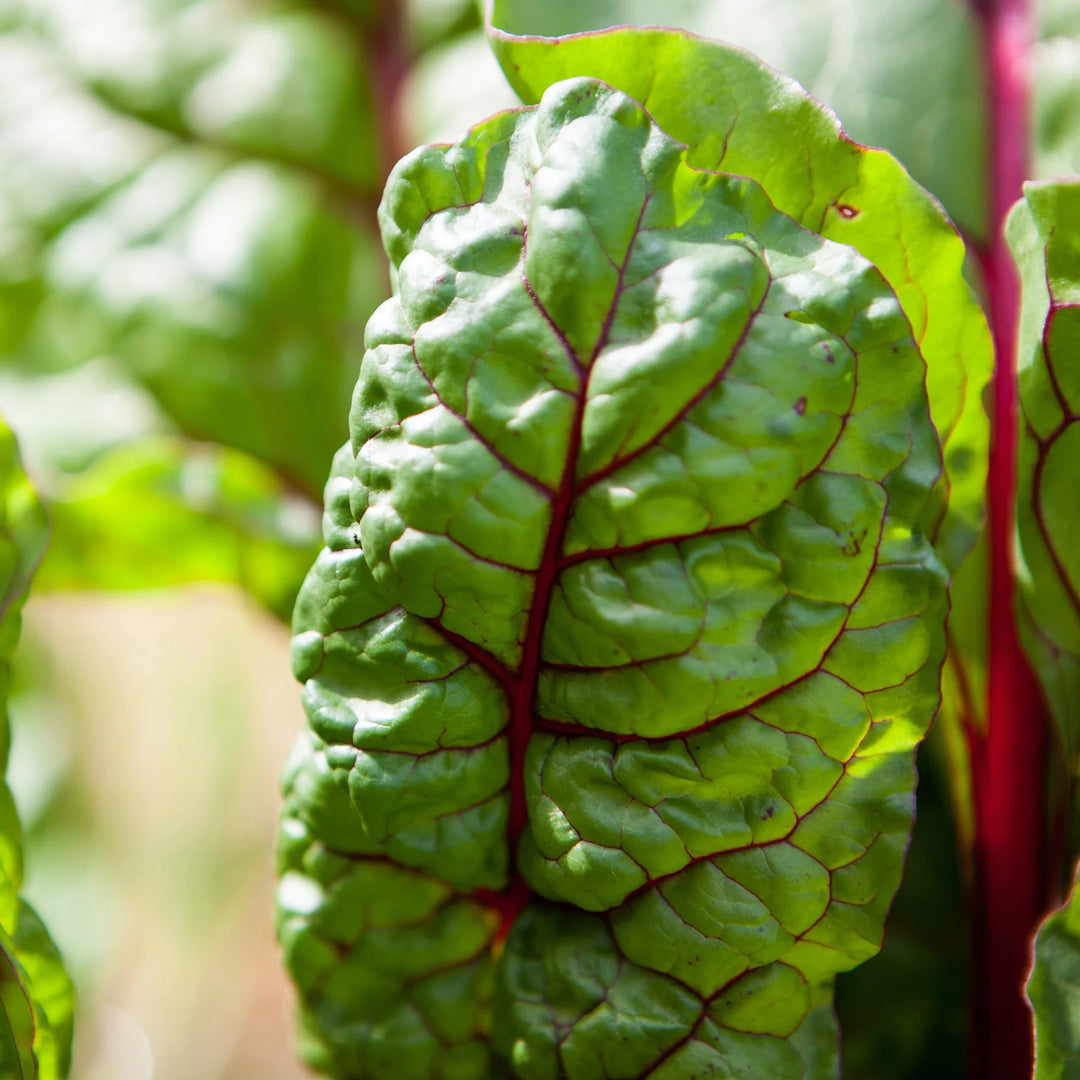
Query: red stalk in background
(1008, 758)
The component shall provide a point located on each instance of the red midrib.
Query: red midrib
(1008, 761)
(523, 689)
(521, 684)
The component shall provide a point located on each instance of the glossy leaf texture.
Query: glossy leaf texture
(624, 606)
(1042, 232)
(755, 121)
(759, 123)
(35, 992)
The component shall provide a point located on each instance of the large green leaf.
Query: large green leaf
(756, 122)
(736, 114)
(35, 992)
(1043, 230)
(622, 565)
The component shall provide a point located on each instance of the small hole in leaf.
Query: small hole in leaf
(846, 211)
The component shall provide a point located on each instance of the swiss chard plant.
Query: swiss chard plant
(683, 496)
(633, 606)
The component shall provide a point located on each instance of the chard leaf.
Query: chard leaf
(870, 81)
(624, 599)
(1052, 989)
(756, 122)
(35, 992)
(900, 74)
(1042, 231)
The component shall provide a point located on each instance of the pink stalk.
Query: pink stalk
(1008, 759)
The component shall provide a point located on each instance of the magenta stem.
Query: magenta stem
(1008, 758)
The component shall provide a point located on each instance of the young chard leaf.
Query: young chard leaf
(623, 575)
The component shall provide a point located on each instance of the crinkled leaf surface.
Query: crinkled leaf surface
(35, 992)
(623, 600)
(871, 81)
(756, 122)
(1043, 231)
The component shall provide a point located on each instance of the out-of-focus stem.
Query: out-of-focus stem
(1008, 759)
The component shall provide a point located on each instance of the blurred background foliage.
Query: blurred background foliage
(188, 256)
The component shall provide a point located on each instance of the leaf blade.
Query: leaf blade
(514, 238)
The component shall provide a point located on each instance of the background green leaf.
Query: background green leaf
(35, 992)
(1042, 231)
(166, 512)
(200, 212)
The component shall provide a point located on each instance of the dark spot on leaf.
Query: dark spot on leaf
(846, 211)
(828, 354)
(800, 406)
(769, 811)
(854, 543)
(355, 537)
